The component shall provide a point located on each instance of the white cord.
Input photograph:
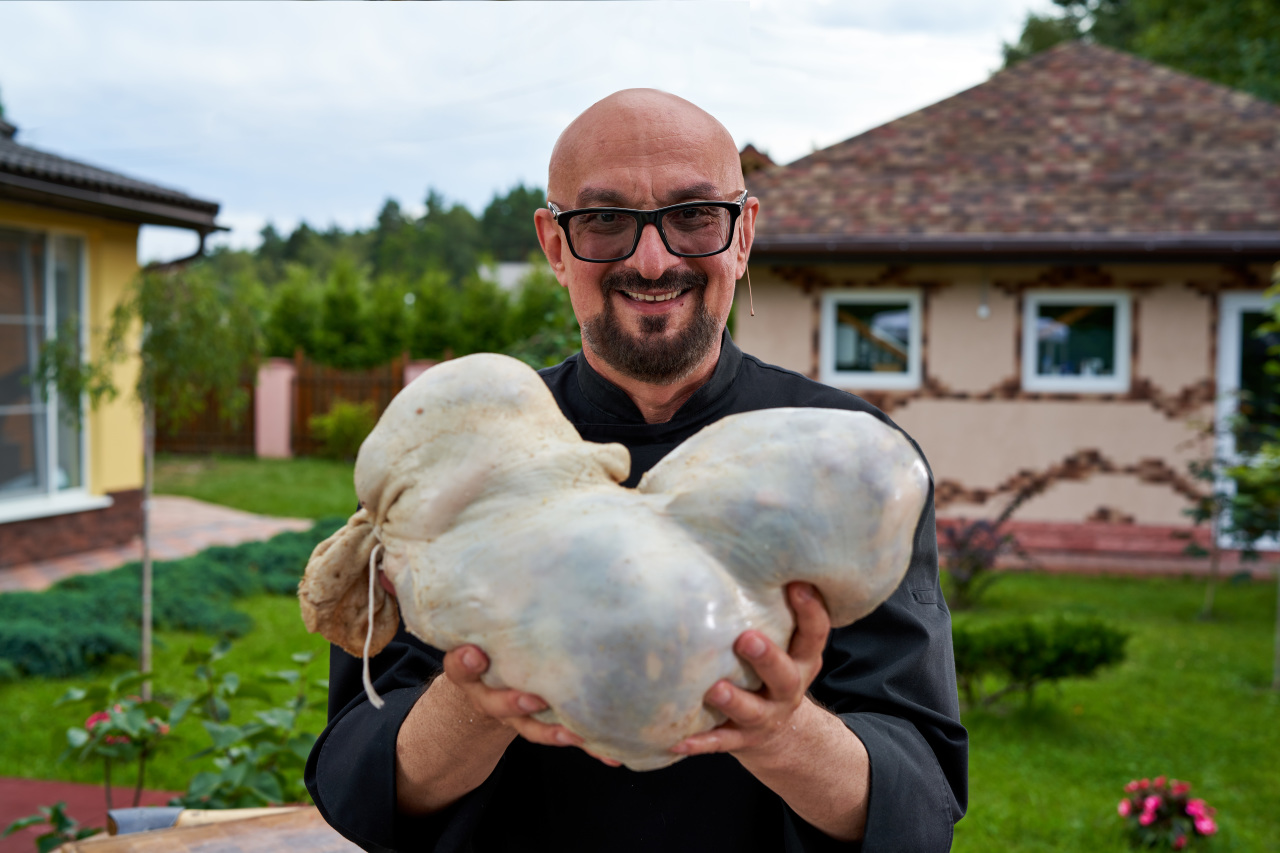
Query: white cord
(374, 698)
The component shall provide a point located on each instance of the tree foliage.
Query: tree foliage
(357, 299)
(1233, 42)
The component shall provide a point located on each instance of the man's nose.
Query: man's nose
(651, 258)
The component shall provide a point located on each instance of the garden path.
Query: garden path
(180, 527)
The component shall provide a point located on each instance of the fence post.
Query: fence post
(273, 403)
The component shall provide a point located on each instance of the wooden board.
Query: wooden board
(302, 830)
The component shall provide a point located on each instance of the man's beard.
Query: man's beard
(651, 357)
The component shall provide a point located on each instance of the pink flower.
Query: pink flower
(1131, 787)
(1180, 788)
(101, 717)
(1125, 808)
(1151, 803)
(1147, 818)
(1160, 781)
(1179, 842)
(1196, 808)
(1144, 784)
(1206, 826)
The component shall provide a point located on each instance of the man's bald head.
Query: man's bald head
(645, 129)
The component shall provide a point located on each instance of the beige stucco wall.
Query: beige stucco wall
(111, 251)
(979, 444)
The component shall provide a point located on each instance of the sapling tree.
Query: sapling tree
(193, 337)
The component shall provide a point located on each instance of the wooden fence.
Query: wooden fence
(316, 388)
(209, 431)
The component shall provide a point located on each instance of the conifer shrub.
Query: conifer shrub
(1020, 654)
(82, 621)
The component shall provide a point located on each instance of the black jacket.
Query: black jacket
(890, 677)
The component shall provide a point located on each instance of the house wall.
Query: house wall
(111, 249)
(1117, 458)
(114, 429)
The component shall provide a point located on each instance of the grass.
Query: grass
(1190, 701)
(295, 488)
(35, 731)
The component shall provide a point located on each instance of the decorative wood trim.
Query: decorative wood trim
(1078, 466)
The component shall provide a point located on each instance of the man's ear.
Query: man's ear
(552, 241)
(746, 234)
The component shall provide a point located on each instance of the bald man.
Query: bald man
(853, 741)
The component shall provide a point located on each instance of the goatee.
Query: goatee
(651, 356)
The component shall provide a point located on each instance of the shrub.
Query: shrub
(344, 428)
(82, 621)
(1024, 653)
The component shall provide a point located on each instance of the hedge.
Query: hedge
(82, 621)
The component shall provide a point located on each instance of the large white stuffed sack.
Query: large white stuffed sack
(499, 526)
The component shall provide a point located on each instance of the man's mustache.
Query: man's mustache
(673, 279)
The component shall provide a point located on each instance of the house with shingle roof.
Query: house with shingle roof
(68, 251)
(1050, 277)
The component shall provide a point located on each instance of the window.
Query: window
(1075, 341)
(41, 291)
(871, 338)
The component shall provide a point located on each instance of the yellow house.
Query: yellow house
(68, 251)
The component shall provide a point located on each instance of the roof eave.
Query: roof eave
(108, 204)
(1220, 247)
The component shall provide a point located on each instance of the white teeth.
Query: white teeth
(654, 297)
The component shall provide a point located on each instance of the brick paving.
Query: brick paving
(180, 527)
(85, 803)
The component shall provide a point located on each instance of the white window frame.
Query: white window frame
(869, 379)
(1115, 384)
(1231, 307)
(55, 501)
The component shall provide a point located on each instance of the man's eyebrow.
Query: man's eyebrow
(605, 197)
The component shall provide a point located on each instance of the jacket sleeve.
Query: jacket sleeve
(891, 679)
(351, 772)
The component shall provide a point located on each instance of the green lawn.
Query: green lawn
(35, 731)
(1190, 701)
(297, 488)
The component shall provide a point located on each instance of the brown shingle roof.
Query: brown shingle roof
(29, 174)
(1079, 144)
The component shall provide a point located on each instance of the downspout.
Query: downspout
(165, 266)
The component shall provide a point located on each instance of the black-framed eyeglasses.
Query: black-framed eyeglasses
(692, 229)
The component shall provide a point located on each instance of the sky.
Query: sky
(290, 111)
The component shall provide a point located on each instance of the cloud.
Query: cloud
(287, 111)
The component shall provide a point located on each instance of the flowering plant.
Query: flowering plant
(1159, 812)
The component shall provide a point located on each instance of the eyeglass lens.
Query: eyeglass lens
(689, 231)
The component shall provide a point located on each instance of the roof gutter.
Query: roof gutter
(108, 204)
(1236, 247)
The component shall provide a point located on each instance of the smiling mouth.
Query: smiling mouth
(655, 297)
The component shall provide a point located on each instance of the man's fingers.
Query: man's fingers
(740, 706)
(813, 623)
(543, 733)
(776, 669)
(720, 739)
(465, 665)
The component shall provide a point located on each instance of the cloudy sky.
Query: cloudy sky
(286, 111)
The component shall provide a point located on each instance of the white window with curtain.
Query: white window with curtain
(870, 339)
(42, 455)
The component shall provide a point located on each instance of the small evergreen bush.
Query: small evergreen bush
(82, 621)
(344, 428)
(1024, 653)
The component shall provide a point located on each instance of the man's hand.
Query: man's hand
(464, 665)
(765, 720)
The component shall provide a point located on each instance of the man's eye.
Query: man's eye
(693, 217)
(604, 221)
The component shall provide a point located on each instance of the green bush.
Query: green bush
(1024, 653)
(82, 621)
(344, 428)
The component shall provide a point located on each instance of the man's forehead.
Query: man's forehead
(641, 146)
